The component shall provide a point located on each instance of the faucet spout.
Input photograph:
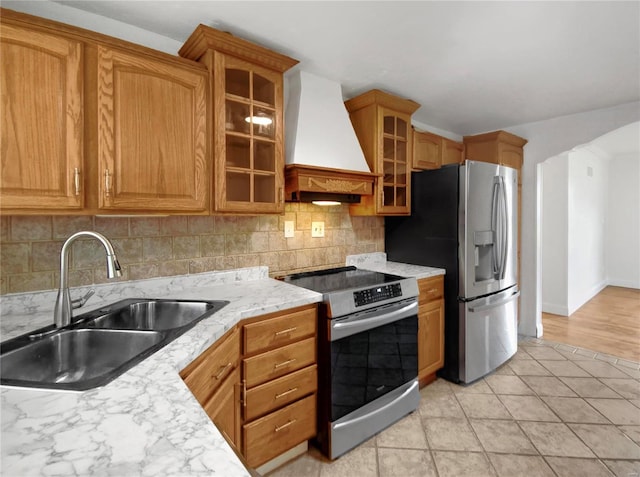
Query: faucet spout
(62, 311)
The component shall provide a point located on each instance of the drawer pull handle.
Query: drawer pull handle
(244, 393)
(288, 330)
(280, 365)
(292, 390)
(222, 370)
(283, 426)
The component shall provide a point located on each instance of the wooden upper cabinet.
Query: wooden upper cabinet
(41, 163)
(498, 147)
(151, 125)
(427, 150)
(452, 152)
(431, 151)
(382, 123)
(247, 118)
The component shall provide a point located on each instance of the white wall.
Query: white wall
(588, 191)
(555, 234)
(623, 222)
(547, 139)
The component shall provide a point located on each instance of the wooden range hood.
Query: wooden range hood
(323, 155)
(305, 183)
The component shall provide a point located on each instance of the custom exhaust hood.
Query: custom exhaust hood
(324, 161)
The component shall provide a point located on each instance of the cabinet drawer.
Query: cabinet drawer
(213, 367)
(280, 330)
(279, 431)
(279, 392)
(430, 289)
(273, 364)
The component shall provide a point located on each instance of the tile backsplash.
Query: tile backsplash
(150, 247)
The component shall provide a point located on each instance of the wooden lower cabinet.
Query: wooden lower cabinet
(280, 380)
(258, 383)
(214, 380)
(431, 338)
(279, 392)
(207, 373)
(223, 408)
(430, 327)
(278, 362)
(275, 433)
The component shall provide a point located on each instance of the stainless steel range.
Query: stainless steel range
(367, 353)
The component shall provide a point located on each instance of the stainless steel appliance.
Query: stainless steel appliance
(367, 353)
(464, 220)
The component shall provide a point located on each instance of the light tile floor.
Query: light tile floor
(552, 410)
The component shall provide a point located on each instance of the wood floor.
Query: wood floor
(609, 323)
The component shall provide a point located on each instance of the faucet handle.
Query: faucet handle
(78, 302)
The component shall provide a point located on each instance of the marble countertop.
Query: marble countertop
(378, 262)
(146, 421)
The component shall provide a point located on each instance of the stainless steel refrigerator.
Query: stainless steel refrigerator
(464, 219)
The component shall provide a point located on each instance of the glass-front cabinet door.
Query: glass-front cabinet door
(248, 135)
(394, 188)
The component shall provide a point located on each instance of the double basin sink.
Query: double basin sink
(99, 345)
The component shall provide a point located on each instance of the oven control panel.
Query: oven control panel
(376, 294)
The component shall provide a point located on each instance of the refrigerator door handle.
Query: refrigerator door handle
(493, 304)
(504, 228)
(495, 220)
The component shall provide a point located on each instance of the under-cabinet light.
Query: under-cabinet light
(325, 203)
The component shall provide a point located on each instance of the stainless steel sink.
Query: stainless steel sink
(100, 345)
(76, 356)
(156, 315)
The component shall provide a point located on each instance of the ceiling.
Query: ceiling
(473, 66)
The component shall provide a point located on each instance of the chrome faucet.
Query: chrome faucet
(62, 311)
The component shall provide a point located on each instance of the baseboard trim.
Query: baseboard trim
(614, 282)
(555, 309)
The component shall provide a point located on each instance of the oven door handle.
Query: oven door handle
(387, 405)
(357, 324)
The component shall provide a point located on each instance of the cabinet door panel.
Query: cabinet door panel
(42, 126)
(430, 338)
(206, 375)
(224, 410)
(249, 155)
(151, 134)
(509, 155)
(427, 150)
(393, 188)
(452, 152)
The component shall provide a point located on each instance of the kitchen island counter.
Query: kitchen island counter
(146, 421)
